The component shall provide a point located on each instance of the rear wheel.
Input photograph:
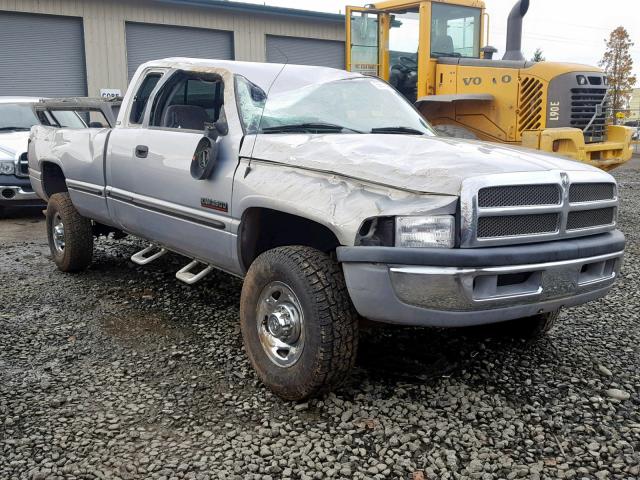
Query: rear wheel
(299, 327)
(70, 235)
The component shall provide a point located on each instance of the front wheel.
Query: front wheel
(299, 327)
(70, 235)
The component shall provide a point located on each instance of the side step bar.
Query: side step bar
(187, 276)
(143, 257)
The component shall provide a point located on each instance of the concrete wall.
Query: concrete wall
(104, 30)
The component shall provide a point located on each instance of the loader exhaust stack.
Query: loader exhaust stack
(514, 31)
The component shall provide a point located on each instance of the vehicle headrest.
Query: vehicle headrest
(191, 117)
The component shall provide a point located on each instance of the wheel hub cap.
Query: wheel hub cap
(280, 322)
(284, 323)
(58, 233)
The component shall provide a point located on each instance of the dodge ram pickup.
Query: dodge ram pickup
(334, 200)
(17, 116)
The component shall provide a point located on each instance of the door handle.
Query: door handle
(142, 151)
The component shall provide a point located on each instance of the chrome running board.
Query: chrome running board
(187, 276)
(143, 257)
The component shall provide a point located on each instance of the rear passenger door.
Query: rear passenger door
(187, 215)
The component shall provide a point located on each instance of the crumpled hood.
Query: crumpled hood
(13, 142)
(417, 163)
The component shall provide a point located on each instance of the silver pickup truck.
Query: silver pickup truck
(334, 200)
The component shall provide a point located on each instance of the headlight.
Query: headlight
(431, 231)
(7, 167)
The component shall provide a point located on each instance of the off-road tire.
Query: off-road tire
(530, 328)
(455, 131)
(330, 321)
(78, 235)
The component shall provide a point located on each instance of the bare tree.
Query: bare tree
(538, 56)
(618, 65)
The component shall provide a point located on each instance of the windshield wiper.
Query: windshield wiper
(318, 127)
(408, 130)
(3, 129)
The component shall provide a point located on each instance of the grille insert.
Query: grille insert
(590, 218)
(517, 225)
(591, 192)
(585, 103)
(518, 195)
(530, 104)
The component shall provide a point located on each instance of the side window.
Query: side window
(142, 97)
(188, 102)
(251, 100)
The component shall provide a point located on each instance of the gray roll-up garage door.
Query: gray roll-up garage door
(41, 55)
(146, 41)
(305, 51)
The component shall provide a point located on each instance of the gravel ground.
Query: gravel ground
(123, 372)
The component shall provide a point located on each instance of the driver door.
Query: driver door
(171, 207)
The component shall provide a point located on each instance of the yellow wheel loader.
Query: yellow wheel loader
(434, 52)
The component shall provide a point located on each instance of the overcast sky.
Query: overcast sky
(566, 30)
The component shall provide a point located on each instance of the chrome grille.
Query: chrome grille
(591, 192)
(586, 103)
(590, 218)
(519, 195)
(525, 207)
(516, 225)
(22, 168)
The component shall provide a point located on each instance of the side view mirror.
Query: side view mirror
(96, 125)
(205, 157)
(216, 129)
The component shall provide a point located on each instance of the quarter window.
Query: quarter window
(142, 97)
(455, 31)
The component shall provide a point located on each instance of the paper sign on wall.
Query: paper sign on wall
(110, 92)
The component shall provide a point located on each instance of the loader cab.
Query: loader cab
(401, 42)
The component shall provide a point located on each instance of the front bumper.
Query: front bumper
(17, 192)
(462, 287)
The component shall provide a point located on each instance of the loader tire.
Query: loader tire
(299, 327)
(70, 235)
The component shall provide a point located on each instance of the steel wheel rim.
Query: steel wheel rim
(57, 233)
(280, 322)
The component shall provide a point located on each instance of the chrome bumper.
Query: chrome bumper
(18, 194)
(467, 289)
(463, 296)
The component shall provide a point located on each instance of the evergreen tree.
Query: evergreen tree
(618, 65)
(537, 56)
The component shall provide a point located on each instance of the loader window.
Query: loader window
(455, 31)
(404, 39)
(364, 43)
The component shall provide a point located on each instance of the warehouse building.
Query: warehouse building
(93, 47)
(634, 105)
